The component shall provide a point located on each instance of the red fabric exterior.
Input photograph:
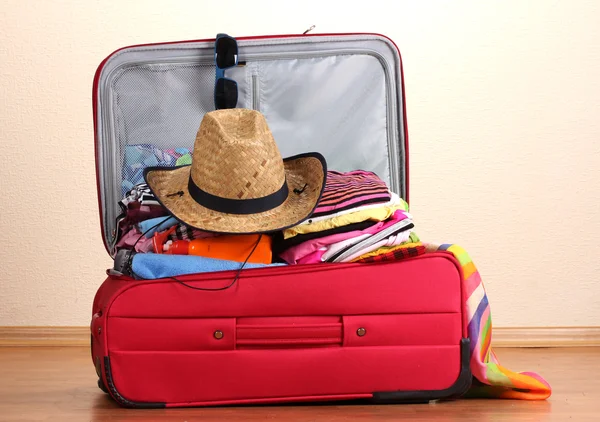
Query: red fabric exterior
(289, 333)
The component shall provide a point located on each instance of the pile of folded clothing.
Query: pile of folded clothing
(144, 220)
(166, 247)
(357, 218)
(240, 202)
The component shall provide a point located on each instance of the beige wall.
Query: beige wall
(503, 110)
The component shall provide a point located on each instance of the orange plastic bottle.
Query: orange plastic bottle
(233, 248)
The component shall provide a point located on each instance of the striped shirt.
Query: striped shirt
(139, 193)
(349, 190)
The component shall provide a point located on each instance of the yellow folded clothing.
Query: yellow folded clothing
(374, 214)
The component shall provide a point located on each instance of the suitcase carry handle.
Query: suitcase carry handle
(293, 335)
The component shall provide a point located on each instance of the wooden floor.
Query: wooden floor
(59, 384)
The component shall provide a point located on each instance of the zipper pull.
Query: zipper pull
(308, 30)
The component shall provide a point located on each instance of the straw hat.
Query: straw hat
(238, 182)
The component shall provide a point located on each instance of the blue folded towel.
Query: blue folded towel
(151, 265)
(147, 224)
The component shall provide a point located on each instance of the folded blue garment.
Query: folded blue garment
(148, 224)
(151, 265)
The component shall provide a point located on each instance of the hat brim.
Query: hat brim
(308, 169)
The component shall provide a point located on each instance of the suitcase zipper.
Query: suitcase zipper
(208, 60)
(255, 93)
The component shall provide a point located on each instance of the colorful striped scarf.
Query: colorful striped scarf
(491, 380)
(392, 253)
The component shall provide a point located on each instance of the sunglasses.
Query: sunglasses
(226, 56)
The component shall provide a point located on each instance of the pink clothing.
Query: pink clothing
(129, 239)
(315, 257)
(351, 189)
(293, 254)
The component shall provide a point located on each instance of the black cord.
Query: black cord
(153, 227)
(205, 289)
(132, 250)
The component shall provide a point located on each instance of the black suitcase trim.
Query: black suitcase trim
(460, 387)
(118, 397)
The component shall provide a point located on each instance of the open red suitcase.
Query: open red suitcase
(384, 332)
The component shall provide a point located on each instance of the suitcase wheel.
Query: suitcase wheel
(101, 385)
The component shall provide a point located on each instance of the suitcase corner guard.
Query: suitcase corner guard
(119, 398)
(460, 387)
